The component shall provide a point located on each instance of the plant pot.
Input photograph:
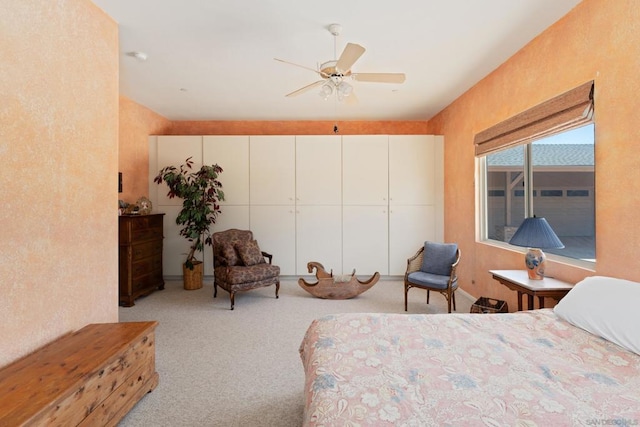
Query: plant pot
(192, 279)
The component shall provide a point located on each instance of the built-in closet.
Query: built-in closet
(355, 201)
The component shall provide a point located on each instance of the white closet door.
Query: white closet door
(365, 170)
(174, 246)
(274, 227)
(416, 210)
(232, 216)
(272, 164)
(231, 153)
(409, 227)
(319, 170)
(365, 243)
(412, 169)
(173, 151)
(319, 237)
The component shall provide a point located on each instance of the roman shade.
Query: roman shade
(563, 112)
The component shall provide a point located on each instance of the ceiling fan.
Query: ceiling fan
(335, 73)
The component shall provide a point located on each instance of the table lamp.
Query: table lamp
(536, 234)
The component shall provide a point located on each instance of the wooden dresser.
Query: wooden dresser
(91, 377)
(140, 256)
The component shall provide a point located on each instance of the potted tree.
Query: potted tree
(201, 192)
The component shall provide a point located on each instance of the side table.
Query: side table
(518, 280)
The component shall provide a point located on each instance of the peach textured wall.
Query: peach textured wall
(137, 122)
(597, 41)
(59, 151)
(297, 128)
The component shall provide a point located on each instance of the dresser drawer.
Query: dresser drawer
(137, 228)
(147, 282)
(147, 234)
(146, 250)
(146, 266)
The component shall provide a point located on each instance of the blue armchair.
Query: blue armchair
(433, 268)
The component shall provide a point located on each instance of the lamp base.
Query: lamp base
(535, 260)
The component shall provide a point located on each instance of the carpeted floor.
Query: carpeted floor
(241, 368)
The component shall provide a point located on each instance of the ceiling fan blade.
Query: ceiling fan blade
(349, 56)
(306, 88)
(379, 77)
(302, 66)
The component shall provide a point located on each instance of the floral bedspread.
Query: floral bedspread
(519, 369)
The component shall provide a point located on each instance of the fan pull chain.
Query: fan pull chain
(335, 112)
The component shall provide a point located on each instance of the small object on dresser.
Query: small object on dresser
(489, 305)
(144, 205)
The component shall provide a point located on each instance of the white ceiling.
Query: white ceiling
(214, 59)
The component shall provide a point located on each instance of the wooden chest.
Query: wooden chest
(91, 377)
(140, 257)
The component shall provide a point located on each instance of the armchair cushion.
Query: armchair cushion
(435, 281)
(438, 258)
(239, 275)
(228, 252)
(250, 253)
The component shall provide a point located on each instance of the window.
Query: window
(577, 193)
(548, 174)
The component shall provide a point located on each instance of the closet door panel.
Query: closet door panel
(173, 151)
(409, 228)
(365, 170)
(319, 170)
(319, 237)
(274, 227)
(412, 169)
(272, 165)
(174, 246)
(365, 244)
(232, 216)
(231, 153)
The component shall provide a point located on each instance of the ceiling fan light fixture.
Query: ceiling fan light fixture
(345, 88)
(326, 90)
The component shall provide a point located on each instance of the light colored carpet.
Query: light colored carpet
(241, 368)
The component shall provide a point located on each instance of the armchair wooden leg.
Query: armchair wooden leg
(453, 297)
(406, 291)
(215, 289)
(427, 296)
(232, 296)
(277, 289)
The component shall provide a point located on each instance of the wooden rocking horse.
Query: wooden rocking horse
(329, 286)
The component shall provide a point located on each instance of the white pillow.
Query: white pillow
(606, 307)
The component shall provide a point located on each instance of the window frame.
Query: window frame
(565, 112)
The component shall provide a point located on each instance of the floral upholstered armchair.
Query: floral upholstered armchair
(240, 265)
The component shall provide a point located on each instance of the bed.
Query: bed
(576, 364)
